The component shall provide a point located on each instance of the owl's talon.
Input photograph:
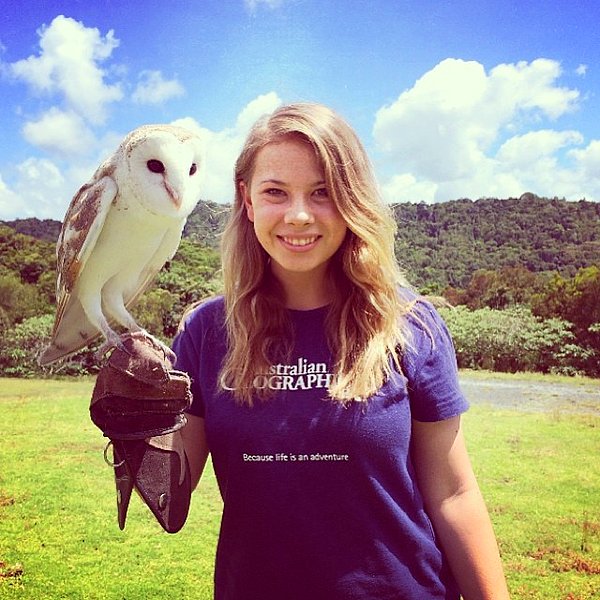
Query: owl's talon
(110, 344)
(169, 354)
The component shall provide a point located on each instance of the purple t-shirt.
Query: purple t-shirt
(320, 499)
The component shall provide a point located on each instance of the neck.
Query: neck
(305, 291)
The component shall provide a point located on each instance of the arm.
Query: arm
(196, 447)
(457, 510)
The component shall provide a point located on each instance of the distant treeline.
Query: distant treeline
(446, 243)
(524, 274)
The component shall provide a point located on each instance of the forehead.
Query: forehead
(291, 155)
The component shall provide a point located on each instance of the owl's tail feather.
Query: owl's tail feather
(72, 332)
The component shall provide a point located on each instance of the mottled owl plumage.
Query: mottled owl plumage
(119, 230)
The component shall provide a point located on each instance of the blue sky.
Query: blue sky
(452, 99)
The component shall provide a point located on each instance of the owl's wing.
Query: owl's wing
(165, 251)
(80, 231)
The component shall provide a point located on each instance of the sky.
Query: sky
(451, 99)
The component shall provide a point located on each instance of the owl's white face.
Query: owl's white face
(164, 171)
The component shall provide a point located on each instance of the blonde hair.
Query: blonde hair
(364, 322)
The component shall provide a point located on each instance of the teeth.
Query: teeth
(299, 241)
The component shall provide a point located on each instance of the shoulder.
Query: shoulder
(202, 321)
(207, 312)
(426, 333)
(201, 328)
(429, 364)
(420, 315)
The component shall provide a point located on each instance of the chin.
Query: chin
(297, 268)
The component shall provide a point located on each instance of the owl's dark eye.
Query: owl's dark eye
(155, 166)
(193, 168)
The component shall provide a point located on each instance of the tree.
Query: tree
(499, 289)
(18, 300)
(20, 346)
(575, 299)
(513, 340)
(154, 312)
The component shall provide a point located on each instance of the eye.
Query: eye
(321, 193)
(193, 168)
(155, 166)
(274, 195)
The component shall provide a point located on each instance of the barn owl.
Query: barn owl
(119, 230)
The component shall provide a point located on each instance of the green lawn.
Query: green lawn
(59, 537)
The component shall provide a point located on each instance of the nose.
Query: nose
(299, 211)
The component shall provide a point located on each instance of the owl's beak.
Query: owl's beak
(173, 194)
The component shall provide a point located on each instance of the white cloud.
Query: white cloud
(252, 5)
(583, 179)
(60, 132)
(153, 89)
(11, 203)
(523, 151)
(223, 147)
(440, 136)
(436, 114)
(68, 65)
(531, 86)
(589, 159)
(38, 186)
(41, 170)
(43, 188)
(581, 70)
(406, 188)
(262, 105)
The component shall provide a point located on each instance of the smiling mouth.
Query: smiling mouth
(299, 242)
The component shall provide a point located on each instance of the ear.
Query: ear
(245, 192)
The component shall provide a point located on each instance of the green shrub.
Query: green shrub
(514, 340)
(19, 300)
(21, 345)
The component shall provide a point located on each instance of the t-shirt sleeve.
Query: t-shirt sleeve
(188, 360)
(430, 366)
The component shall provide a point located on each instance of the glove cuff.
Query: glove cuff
(139, 403)
(124, 407)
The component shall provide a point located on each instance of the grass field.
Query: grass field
(540, 474)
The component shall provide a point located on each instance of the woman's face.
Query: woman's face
(295, 220)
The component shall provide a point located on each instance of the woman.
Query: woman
(326, 391)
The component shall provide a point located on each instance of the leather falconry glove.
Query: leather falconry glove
(138, 402)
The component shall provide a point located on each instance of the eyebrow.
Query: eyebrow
(279, 182)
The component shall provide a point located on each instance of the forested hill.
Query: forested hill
(445, 243)
(203, 225)
(46, 230)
